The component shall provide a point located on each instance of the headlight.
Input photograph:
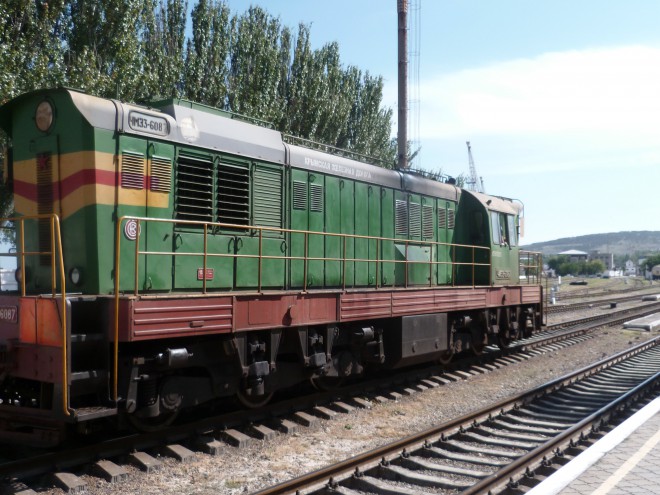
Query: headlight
(75, 276)
(44, 116)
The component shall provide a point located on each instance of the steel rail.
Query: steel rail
(537, 457)
(329, 475)
(560, 308)
(75, 457)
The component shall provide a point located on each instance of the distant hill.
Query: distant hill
(640, 242)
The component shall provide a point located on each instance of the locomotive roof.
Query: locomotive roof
(496, 203)
(190, 124)
(315, 160)
(208, 130)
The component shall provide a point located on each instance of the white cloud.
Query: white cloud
(575, 135)
(598, 90)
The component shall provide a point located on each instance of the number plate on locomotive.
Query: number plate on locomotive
(9, 313)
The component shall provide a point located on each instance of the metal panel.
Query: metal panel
(531, 294)
(184, 317)
(412, 302)
(460, 298)
(365, 305)
(267, 191)
(283, 310)
(423, 334)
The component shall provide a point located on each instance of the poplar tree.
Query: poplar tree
(254, 72)
(207, 52)
(163, 46)
(137, 50)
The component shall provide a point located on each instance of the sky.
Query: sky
(559, 99)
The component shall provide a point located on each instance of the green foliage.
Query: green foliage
(652, 261)
(206, 69)
(563, 266)
(136, 50)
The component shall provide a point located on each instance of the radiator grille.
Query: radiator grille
(442, 218)
(316, 203)
(415, 228)
(194, 189)
(132, 170)
(299, 195)
(161, 175)
(268, 197)
(427, 221)
(233, 197)
(401, 217)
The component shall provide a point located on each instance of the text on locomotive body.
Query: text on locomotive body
(8, 313)
(148, 123)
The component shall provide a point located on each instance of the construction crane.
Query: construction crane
(473, 182)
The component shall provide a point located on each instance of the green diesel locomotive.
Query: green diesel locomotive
(173, 254)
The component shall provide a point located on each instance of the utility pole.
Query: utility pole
(402, 135)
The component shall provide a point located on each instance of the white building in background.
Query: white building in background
(630, 269)
(575, 256)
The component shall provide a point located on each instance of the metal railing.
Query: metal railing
(461, 257)
(208, 229)
(56, 255)
(531, 266)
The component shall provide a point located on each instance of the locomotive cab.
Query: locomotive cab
(491, 223)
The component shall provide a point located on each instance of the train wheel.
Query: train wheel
(152, 424)
(477, 341)
(477, 348)
(446, 357)
(253, 401)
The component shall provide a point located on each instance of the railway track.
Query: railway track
(611, 318)
(201, 434)
(561, 308)
(591, 293)
(508, 444)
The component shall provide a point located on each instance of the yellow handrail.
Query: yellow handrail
(531, 263)
(56, 255)
(305, 258)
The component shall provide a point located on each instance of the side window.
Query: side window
(513, 234)
(503, 229)
(497, 228)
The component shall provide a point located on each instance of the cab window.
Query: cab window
(504, 233)
(513, 233)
